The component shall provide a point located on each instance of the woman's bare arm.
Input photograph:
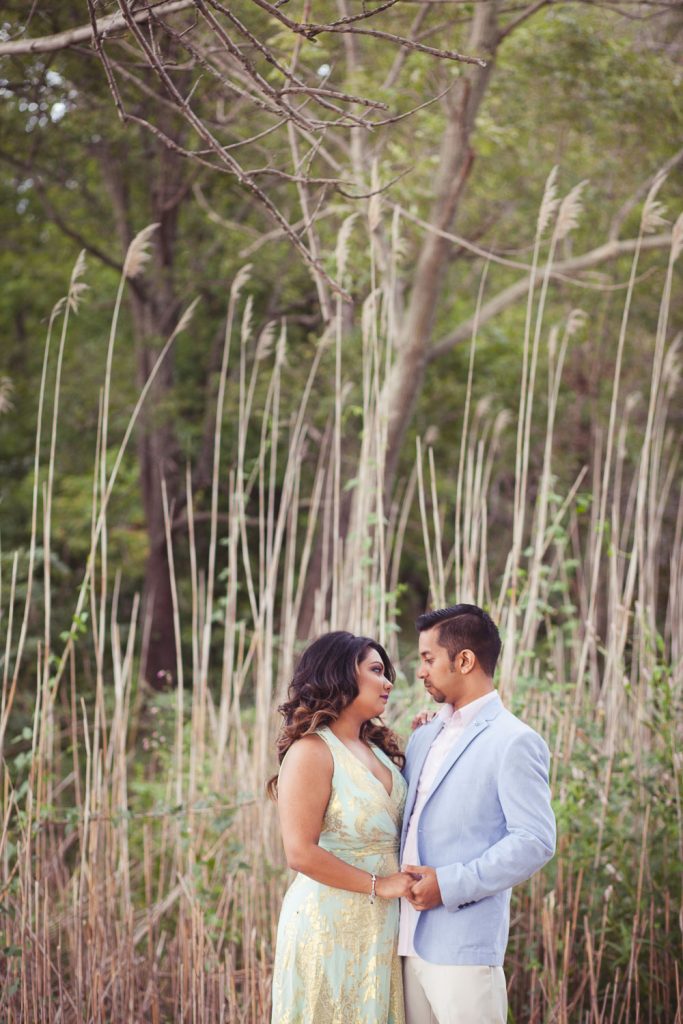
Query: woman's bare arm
(304, 789)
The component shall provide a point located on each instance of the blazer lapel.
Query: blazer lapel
(429, 733)
(480, 723)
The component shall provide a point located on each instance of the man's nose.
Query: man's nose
(421, 672)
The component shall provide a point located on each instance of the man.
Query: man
(477, 821)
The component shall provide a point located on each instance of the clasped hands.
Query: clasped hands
(424, 893)
(416, 883)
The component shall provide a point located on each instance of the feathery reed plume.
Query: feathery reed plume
(266, 340)
(239, 281)
(6, 389)
(341, 251)
(186, 319)
(575, 321)
(281, 350)
(369, 313)
(570, 211)
(654, 217)
(76, 286)
(432, 434)
(653, 209)
(59, 306)
(549, 203)
(375, 201)
(138, 252)
(247, 317)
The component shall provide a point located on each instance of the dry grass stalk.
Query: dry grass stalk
(140, 867)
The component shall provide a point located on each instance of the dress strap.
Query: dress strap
(326, 734)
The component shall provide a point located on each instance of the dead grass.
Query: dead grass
(140, 865)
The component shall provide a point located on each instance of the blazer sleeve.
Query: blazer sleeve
(409, 751)
(529, 841)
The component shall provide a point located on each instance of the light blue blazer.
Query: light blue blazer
(487, 825)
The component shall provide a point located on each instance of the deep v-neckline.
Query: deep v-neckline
(372, 748)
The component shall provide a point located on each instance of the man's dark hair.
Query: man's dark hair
(465, 626)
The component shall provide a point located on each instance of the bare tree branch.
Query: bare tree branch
(103, 27)
(247, 64)
(469, 246)
(312, 91)
(99, 50)
(311, 233)
(401, 57)
(640, 193)
(227, 159)
(604, 253)
(403, 383)
(528, 12)
(219, 41)
(411, 44)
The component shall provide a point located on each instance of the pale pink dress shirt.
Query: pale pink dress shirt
(455, 723)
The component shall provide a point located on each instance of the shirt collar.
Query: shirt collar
(465, 716)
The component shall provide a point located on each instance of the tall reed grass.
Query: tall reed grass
(140, 865)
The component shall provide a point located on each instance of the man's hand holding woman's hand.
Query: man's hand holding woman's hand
(394, 886)
(425, 893)
(416, 883)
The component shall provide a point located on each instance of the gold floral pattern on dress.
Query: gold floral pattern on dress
(336, 961)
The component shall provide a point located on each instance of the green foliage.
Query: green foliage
(573, 86)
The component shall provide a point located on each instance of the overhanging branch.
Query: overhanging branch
(108, 26)
(603, 254)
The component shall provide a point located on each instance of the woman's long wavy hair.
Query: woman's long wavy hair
(324, 683)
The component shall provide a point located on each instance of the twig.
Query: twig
(376, 191)
(410, 44)
(310, 90)
(226, 158)
(528, 12)
(111, 81)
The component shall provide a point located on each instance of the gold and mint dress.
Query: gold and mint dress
(335, 961)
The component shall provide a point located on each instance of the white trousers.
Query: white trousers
(458, 994)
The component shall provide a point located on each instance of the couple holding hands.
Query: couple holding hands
(465, 814)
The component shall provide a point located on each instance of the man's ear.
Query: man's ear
(467, 661)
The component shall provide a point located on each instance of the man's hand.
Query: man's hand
(424, 893)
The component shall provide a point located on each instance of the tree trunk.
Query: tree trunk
(456, 158)
(154, 308)
(403, 386)
(158, 460)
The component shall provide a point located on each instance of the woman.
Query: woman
(340, 797)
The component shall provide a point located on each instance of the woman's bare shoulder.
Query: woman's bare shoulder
(308, 754)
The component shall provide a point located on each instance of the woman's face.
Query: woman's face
(373, 686)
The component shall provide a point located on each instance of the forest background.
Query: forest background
(310, 319)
